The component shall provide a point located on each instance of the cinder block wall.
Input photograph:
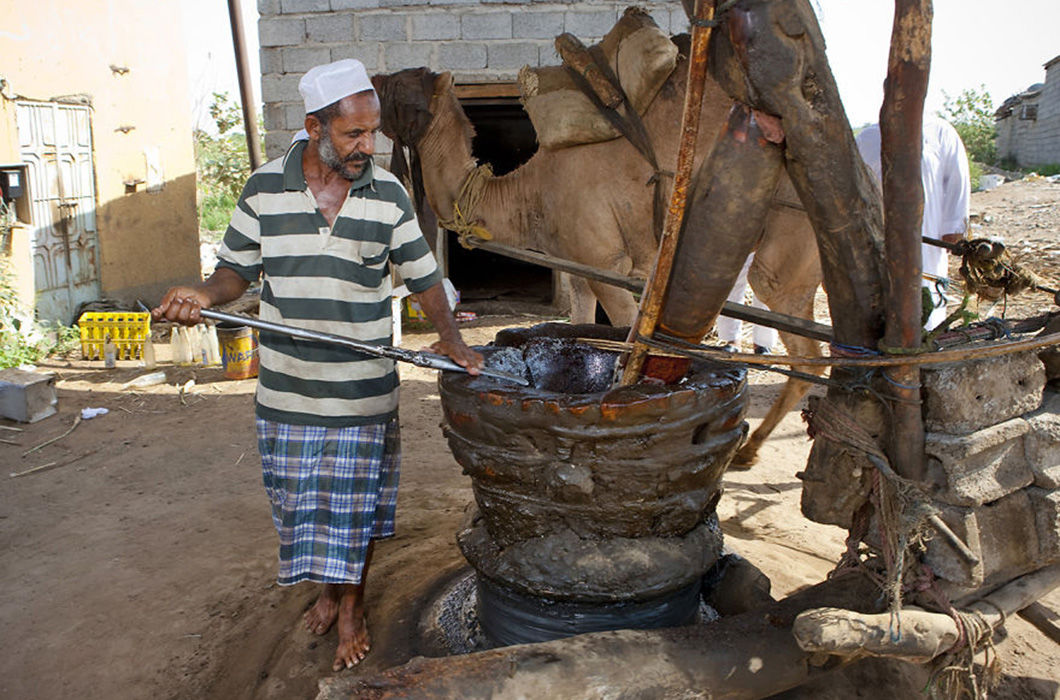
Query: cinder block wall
(1033, 142)
(476, 41)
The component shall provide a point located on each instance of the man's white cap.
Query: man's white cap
(329, 83)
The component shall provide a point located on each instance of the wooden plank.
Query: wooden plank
(475, 91)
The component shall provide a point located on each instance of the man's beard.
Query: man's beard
(351, 167)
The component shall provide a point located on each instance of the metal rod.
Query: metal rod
(246, 93)
(761, 317)
(655, 292)
(420, 359)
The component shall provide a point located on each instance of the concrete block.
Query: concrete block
(367, 52)
(452, 2)
(591, 25)
(962, 398)
(354, 4)
(1046, 507)
(291, 7)
(281, 31)
(548, 56)
(407, 55)
(462, 56)
(1003, 535)
(402, 3)
(293, 116)
(980, 467)
(1043, 442)
(537, 25)
(275, 115)
(513, 55)
(268, 7)
(276, 143)
(27, 396)
(329, 29)
(486, 25)
(271, 60)
(679, 23)
(661, 15)
(280, 88)
(435, 26)
(299, 59)
(382, 28)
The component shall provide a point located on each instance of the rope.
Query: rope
(462, 222)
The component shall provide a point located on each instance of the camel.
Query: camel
(590, 204)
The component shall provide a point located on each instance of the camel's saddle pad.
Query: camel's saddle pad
(639, 53)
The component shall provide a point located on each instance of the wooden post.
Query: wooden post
(901, 121)
(651, 303)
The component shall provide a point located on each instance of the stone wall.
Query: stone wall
(1032, 141)
(477, 41)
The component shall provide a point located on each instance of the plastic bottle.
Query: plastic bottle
(148, 355)
(191, 345)
(213, 345)
(176, 352)
(110, 353)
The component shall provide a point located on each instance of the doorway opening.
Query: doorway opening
(504, 138)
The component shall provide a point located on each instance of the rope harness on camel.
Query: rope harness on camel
(463, 222)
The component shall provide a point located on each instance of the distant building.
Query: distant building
(96, 155)
(1028, 124)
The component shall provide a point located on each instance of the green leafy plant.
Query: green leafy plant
(972, 114)
(222, 164)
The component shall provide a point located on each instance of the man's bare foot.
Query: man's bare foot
(353, 633)
(320, 617)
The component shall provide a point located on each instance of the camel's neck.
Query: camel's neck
(446, 162)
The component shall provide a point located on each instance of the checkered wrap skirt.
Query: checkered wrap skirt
(332, 490)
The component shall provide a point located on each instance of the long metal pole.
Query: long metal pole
(246, 93)
(655, 292)
(901, 124)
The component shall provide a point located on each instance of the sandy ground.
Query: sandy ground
(142, 564)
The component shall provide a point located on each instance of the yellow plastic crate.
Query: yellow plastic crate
(127, 329)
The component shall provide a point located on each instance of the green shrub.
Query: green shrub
(1048, 169)
(222, 164)
(972, 114)
(975, 171)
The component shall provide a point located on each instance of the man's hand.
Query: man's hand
(182, 305)
(460, 353)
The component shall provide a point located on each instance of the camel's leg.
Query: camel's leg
(582, 301)
(618, 303)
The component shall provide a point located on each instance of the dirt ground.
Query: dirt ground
(143, 563)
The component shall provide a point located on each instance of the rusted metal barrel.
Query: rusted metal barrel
(590, 494)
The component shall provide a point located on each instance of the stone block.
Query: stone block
(329, 29)
(462, 55)
(291, 7)
(354, 4)
(435, 26)
(511, 55)
(407, 55)
(299, 59)
(280, 88)
(590, 25)
(1003, 535)
(276, 143)
(1043, 442)
(382, 28)
(486, 25)
(367, 52)
(538, 25)
(1046, 507)
(980, 467)
(964, 397)
(679, 23)
(281, 31)
(27, 396)
(271, 60)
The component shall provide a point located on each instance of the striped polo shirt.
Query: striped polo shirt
(334, 279)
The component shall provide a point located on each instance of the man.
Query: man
(319, 226)
(763, 337)
(947, 191)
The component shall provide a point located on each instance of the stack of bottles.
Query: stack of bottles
(195, 345)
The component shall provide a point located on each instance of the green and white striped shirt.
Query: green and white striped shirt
(334, 279)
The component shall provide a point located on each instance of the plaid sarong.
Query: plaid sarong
(332, 491)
